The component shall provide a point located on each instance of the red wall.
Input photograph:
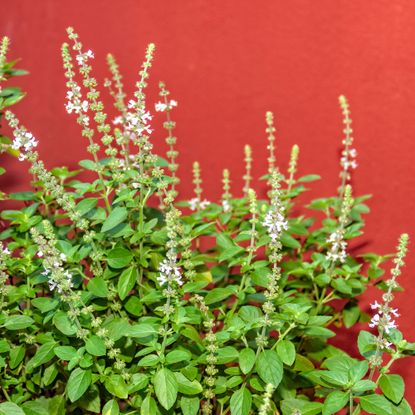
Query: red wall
(227, 62)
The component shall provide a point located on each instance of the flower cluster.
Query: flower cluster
(169, 272)
(275, 223)
(137, 122)
(59, 279)
(24, 142)
(75, 103)
(338, 246)
(4, 255)
(348, 158)
(165, 106)
(211, 358)
(82, 58)
(4, 45)
(383, 319)
(197, 204)
(226, 195)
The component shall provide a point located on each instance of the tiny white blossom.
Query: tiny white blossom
(226, 205)
(117, 120)
(375, 305)
(196, 203)
(275, 223)
(160, 106)
(169, 272)
(338, 247)
(204, 204)
(193, 203)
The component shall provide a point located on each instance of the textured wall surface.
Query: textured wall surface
(227, 62)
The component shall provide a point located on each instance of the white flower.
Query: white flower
(173, 103)
(160, 106)
(394, 311)
(84, 106)
(131, 103)
(83, 57)
(384, 321)
(375, 305)
(275, 223)
(40, 254)
(226, 205)
(169, 273)
(196, 203)
(6, 251)
(193, 203)
(338, 247)
(204, 204)
(117, 120)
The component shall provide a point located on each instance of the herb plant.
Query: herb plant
(118, 298)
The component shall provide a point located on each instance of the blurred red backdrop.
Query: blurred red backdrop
(227, 62)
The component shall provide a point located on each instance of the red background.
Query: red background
(227, 62)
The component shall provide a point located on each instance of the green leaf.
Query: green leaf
(186, 386)
(38, 407)
(149, 407)
(376, 404)
(308, 178)
(17, 354)
(141, 330)
(176, 356)
(149, 360)
(189, 406)
(117, 216)
(45, 304)
(218, 294)
(65, 352)
(18, 322)
(166, 388)
(351, 314)
(98, 287)
(85, 205)
(241, 402)
(393, 387)
(402, 409)
(364, 386)
(43, 355)
(286, 351)
(10, 408)
(227, 354)
(305, 407)
(78, 383)
(269, 367)
(116, 386)
(288, 241)
(246, 360)
(95, 346)
(127, 281)
(230, 252)
(91, 400)
(63, 324)
(366, 343)
(111, 408)
(334, 402)
(119, 257)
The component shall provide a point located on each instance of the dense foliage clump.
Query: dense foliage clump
(117, 298)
